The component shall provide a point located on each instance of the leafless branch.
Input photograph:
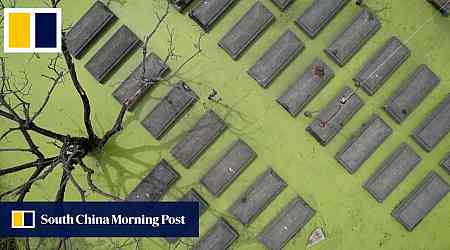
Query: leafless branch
(93, 187)
(80, 90)
(38, 174)
(197, 52)
(117, 126)
(5, 135)
(28, 165)
(15, 150)
(149, 36)
(57, 78)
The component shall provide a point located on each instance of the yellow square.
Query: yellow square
(17, 219)
(19, 30)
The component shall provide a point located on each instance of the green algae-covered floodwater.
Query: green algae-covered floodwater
(350, 217)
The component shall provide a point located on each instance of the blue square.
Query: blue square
(28, 219)
(45, 24)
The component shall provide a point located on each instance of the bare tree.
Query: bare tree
(71, 150)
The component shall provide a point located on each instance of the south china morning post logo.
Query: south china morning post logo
(99, 219)
(23, 219)
(26, 219)
(32, 30)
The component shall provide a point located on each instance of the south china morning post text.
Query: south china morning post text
(114, 219)
(99, 219)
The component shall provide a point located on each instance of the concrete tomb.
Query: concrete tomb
(197, 140)
(90, 25)
(220, 236)
(413, 209)
(333, 117)
(192, 196)
(112, 53)
(353, 38)
(286, 224)
(207, 12)
(318, 15)
(156, 184)
(138, 84)
(276, 58)
(363, 144)
(382, 65)
(435, 127)
(257, 197)
(408, 97)
(392, 172)
(246, 30)
(228, 167)
(169, 110)
(306, 87)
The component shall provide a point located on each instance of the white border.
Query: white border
(32, 12)
(23, 211)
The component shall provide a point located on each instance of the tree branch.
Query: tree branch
(15, 150)
(38, 174)
(62, 185)
(94, 188)
(84, 98)
(198, 51)
(46, 162)
(149, 36)
(117, 127)
(30, 126)
(9, 131)
(56, 80)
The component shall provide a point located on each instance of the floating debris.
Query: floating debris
(315, 237)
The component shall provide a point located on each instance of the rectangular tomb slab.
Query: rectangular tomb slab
(112, 52)
(442, 5)
(382, 65)
(257, 197)
(228, 167)
(435, 127)
(413, 209)
(335, 115)
(446, 163)
(246, 30)
(306, 87)
(282, 4)
(392, 172)
(276, 58)
(192, 196)
(167, 112)
(137, 85)
(363, 144)
(287, 224)
(197, 140)
(207, 12)
(220, 236)
(90, 25)
(180, 5)
(351, 40)
(318, 15)
(411, 93)
(155, 184)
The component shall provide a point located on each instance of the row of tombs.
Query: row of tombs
(331, 119)
(209, 127)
